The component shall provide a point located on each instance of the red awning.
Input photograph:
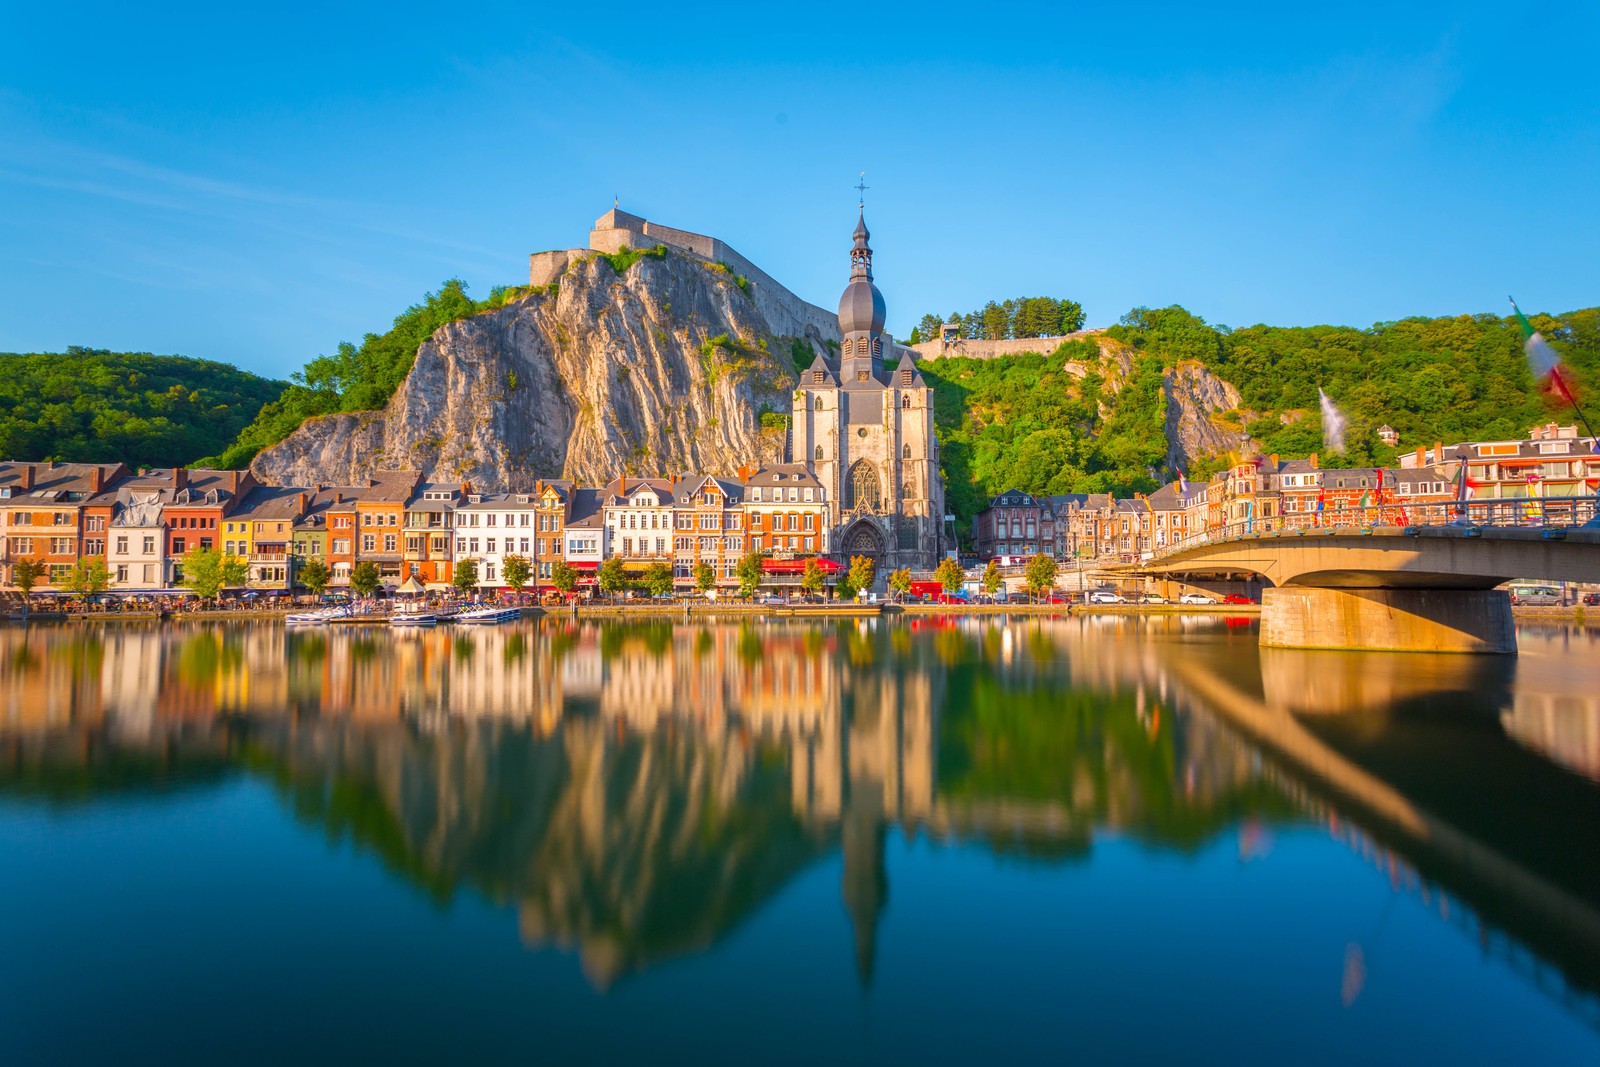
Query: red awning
(583, 565)
(798, 566)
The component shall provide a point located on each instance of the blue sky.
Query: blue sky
(256, 185)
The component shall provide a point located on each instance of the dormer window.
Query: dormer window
(905, 379)
(816, 376)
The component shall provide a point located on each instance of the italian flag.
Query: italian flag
(1543, 360)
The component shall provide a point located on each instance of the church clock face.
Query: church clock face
(861, 432)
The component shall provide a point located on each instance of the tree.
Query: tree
(844, 588)
(517, 571)
(993, 581)
(563, 577)
(704, 577)
(88, 576)
(1040, 575)
(750, 571)
(314, 575)
(611, 576)
(949, 575)
(862, 570)
(25, 574)
(930, 327)
(915, 338)
(813, 578)
(465, 576)
(658, 579)
(207, 572)
(364, 578)
(900, 581)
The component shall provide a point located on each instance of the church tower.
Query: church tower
(866, 432)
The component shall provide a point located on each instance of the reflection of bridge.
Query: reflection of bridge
(1394, 587)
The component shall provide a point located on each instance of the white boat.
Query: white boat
(413, 618)
(488, 615)
(315, 618)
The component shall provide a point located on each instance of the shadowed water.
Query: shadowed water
(1114, 838)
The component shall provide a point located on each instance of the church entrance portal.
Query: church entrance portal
(864, 539)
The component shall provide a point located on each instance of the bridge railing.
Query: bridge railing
(1546, 513)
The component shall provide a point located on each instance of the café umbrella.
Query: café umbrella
(412, 587)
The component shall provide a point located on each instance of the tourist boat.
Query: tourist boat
(413, 617)
(315, 618)
(488, 615)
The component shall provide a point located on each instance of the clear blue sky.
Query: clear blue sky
(256, 183)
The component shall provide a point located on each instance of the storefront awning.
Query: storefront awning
(798, 566)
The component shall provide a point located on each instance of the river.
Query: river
(937, 840)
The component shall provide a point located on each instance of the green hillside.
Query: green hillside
(1021, 422)
(89, 405)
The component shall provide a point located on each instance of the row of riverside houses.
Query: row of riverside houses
(1267, 494)
(144, 523)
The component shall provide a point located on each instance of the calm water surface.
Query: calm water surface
(1100, 839)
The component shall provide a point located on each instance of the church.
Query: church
(866, 432)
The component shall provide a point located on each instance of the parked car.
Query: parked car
(1104, 596)
(1153, 598)
(1055, 598)
(1237, 598)
(770, 600)
(1196, 598)
(1591, 599)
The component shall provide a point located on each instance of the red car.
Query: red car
(1237, 598)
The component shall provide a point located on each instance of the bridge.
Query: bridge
(1392, 579)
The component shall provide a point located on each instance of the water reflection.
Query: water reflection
(636, 790)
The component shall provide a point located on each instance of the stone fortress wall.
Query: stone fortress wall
(980, 349)
(616, 229)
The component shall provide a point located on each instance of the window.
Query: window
(60, 546)
(369, 543)
(122, 546)
(819, 452)
(794, 494)
(755, 494)
(905, 379)
(905, 451)
(808, 495)
(861, 375)
(389, 544)
(816, 376)
(818, 405)
(489, 546)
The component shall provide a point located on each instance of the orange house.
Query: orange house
(42, 513)
(200, 500)
(380, 510)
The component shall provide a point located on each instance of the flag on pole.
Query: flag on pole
(1183, 486)
(1545, 363)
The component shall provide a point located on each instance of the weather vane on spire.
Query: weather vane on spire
(861, 188)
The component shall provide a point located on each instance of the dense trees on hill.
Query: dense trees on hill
(1022, 422)
(94, 406)
(357, 378)
(1028, 316)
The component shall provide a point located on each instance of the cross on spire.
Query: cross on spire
(861, 188)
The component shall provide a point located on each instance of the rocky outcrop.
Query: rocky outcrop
(665, 368)
(1195, 399)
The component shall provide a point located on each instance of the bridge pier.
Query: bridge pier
(1394, 620)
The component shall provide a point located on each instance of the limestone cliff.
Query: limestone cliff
(663, 368)
(1197, 402)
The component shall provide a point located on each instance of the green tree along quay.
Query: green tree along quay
(313, 573)
(364, 577)
(949, 575)
(1027, 316)
(25, 574)
(844, 588)
(750, 571)
(813, 578)
(465, 576)
(517, 572)
(1040, 575)
(658, 579)
(563, 577)
(704, 577)
(862, 570)
(88, 576)
(900, 581)
(611, 576)
(993, 580)
(206, 572)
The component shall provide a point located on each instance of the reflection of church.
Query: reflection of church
(866, 432)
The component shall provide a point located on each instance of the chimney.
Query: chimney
(180, 478)
(301, 499)
(1438, 451)
(97, 476)
(538, 487)
(1314, 461)
(1421, 455)
(25, 477)
(1274, 459)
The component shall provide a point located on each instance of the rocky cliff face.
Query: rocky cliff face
(662, 369)
(1195, 399)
